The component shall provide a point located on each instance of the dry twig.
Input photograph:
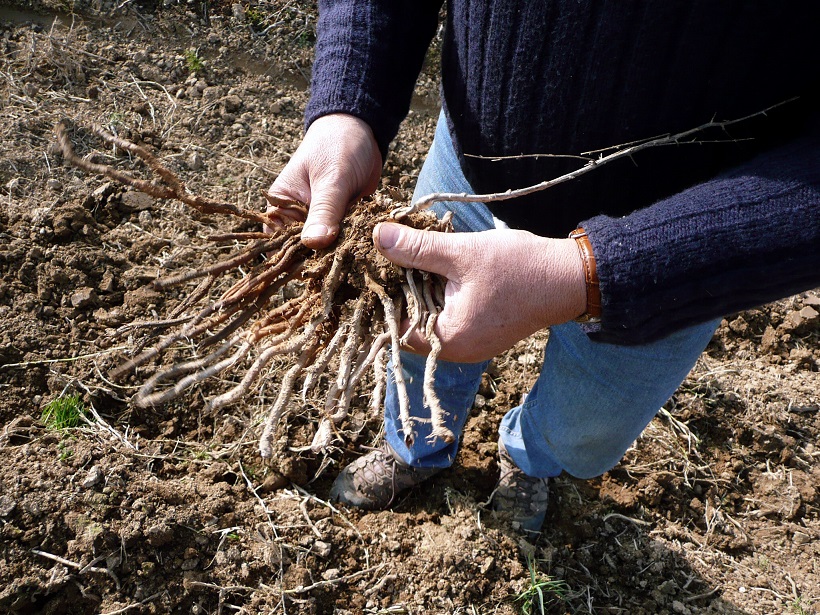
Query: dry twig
(616, 152)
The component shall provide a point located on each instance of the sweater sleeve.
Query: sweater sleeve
(368, 56)
(744, 238)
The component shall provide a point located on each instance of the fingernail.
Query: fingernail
(315, 231)
(388, 235)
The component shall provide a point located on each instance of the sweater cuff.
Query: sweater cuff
(742, 239)
(368, 56)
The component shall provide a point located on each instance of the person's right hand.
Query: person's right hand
(502, 285)
(337, 162)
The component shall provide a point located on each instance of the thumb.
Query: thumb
(327, 207)
(416, 249)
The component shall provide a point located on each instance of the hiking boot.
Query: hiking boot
(373, 481)
(520, 497)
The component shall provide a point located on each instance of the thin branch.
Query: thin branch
(330, 583)
(65, 360)
(668, 139)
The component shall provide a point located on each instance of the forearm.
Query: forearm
(368, 56)
(745, 238)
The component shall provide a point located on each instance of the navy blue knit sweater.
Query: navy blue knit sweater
(681, 233)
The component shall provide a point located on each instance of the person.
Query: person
(631, 266)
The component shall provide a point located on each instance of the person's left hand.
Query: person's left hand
(502, 285)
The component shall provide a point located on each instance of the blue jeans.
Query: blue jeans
(591, 400)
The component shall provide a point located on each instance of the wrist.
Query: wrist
(564, 294)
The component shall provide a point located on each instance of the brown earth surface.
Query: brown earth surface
(716, 509)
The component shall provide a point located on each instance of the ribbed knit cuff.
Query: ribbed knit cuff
(742, 239)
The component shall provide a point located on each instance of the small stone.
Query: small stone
(794, 320)
(801, 538)
(238, 12)
(679, 607)
(809, 314)
(232, 103)
(190, 564)
(107, 284)
(770, 339)
(480, 401)
(159, 535)
(487, 565)
(331, 574)
(145, 217)
(7, 505)
(83, 297)
(195, 162)
(321, 548)
(527, 358)
(739, 325)
(394, 546)
(93, 477)
(136, 201)
(801, 357)
(103, 192)
(54, 184)
(273, 482)
(212, 93)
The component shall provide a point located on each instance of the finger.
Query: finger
(274, 224)
(324, 214)
(291, 185)
(413, 248)
(415, 343)
(285, 209)
(452, 346)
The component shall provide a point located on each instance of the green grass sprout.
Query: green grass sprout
(542, 591)
(194, 62)
(64, 412)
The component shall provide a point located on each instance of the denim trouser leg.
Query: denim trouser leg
(591, 399)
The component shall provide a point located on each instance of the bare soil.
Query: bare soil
(716, 509)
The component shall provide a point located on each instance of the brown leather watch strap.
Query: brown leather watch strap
(593, 311)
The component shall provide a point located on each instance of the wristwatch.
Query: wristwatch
(593, 311)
